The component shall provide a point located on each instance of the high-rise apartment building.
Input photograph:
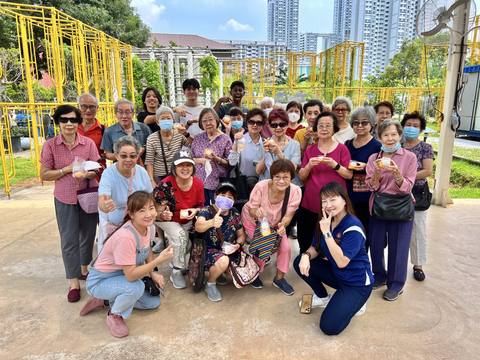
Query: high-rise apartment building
(381, 24)
(308, 42)
(283, 23)
(253, 49)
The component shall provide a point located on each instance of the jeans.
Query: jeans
(209, 197)
(343, 305)
(122, 294)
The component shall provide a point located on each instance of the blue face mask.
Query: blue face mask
(411, 133)
(166, 125)
(237, 125)
(224, 203)
(391, 150)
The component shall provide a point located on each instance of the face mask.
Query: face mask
(237, 125)
(224, 203)
(391, 150)
(166, 125)
(268, 111)
(411, 133)
(294, 117)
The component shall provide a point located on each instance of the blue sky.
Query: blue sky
(227, 19)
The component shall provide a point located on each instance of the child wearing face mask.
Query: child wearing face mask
(295, 115)
(234, 122)
(210, 220)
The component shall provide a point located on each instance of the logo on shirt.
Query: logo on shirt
(338, 238)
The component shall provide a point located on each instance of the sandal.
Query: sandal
(418, 274)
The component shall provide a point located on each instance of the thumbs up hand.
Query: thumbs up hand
(217, 220)
(167, 215)
(108, 204)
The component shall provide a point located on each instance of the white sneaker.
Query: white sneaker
(318, 302)
(362, 310)
(158, 248)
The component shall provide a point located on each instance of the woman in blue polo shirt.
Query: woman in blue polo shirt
(347, 269)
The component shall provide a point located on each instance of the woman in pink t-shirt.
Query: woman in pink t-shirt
(266, 200)
(323, 162)
(116, 273)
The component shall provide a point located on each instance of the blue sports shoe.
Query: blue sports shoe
(257, 283)
(283, 285)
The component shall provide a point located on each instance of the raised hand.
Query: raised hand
(167, 215)
(260, 213)
(217, 220)
(108, 204)
(325, 222)
(166, 254)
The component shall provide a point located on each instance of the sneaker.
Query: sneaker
(212, 292)
(362, 310)
(318, 302)
(293, 235)
(283, 285)
(178, 280)
(158, 248)
(117, 326)
(222, 280)
(73, 295)
(268, 261)
(391, 295)
(83, 277)
(378, 284)
(257, 283)
(418, 274)
(184, 271)
(92, 304)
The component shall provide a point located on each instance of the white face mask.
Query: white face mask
(268, 111)
(294, 117)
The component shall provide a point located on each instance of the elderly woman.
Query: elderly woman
(243, 158)
(325, 162)
(267, 200)
(76, 227)
(188, 199)
(342, 107)
(210, 150)
(267, 104)
(391, 171)
(279, 146)
(227, 219)
(306, 137)
(362, 122)
(151, 100)
(295, 115)
(118, 182)
(413, 124)
(384, 110)
(347, 267)
(162, 145)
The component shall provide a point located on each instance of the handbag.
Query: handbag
(196, 263)
(245, 270)
(88, 199)
(393, 206)
(263, 247)
(423, 196)
(240, 183)
(150, 286)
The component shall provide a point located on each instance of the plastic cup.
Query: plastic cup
(384, 162)
(320, 158)
(183, 214)
(226, 119)
(208, 153)
(177, 126)
(353, 164)
(271, 142)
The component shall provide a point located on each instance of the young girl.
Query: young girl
(116, 273)
(347, 267)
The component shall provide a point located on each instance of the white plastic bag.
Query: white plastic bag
(78, 167)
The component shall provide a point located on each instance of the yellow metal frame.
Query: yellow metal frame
(97, 68)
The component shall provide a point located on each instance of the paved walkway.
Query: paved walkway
(435, 319)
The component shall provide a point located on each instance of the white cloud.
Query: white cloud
(148, 10)
(236, 26)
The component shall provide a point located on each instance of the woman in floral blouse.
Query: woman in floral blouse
(210, 150)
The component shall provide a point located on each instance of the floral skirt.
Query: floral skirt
(214, 254)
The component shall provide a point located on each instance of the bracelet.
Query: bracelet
(308, 254)
(399, 178)
(61, 172)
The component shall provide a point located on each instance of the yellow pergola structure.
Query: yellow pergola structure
(98, 68)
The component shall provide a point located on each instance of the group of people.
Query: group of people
(170, 177)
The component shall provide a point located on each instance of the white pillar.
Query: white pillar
(208, 102)
(220, 66)
(177, 79)
(190, 65)
(171, 80)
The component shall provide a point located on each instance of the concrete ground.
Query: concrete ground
(435, 319)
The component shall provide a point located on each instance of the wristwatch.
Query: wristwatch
(327, 235)
(188, 135)
(337, 167)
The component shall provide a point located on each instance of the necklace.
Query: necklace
(328, 149)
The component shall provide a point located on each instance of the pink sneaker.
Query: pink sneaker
(117, 326)
(92, 304)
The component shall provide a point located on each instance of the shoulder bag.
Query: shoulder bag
(263, 247)
(196, 263)
(423, 196)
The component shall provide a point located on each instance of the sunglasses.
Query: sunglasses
(340, 111)
(65, 120)
(258, 123)
(125, 156)
(363, 123)
(275, 125)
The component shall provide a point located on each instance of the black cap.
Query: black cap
(183, 156)
(225, 185)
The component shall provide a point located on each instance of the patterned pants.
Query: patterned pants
(178, 236)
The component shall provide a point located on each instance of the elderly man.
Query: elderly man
(124, 111)
(90, 126)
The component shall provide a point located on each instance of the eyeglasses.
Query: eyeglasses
(125, 156)
(340, 111)
(363, 123)
(324, 127)
(206, 121)
(384, 113)
(275, 125)
(126, 113)
(87, 107)
(258, 123)
(65, 120)
(277, 178)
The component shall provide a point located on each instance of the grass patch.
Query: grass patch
(465, 193)
(469, 153)
(23, 170)
(464, 180)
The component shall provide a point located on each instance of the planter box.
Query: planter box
(16, 144)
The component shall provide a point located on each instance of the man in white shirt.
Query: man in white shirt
(188, 113)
